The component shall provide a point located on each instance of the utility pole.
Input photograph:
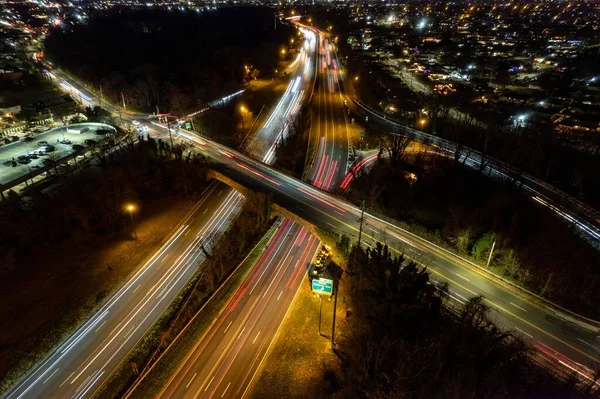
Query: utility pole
(253, 123)
(169, 129)
(320, 311)
(100, 97)
(192, 121)
(130, 209)
(333, 324)
(123, 99)
(361, 220)
(491, 253)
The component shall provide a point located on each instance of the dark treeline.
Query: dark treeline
(291, 150)
(91, 203)
(567, 161)
(466, 211)
(403, 342)
(177, 60)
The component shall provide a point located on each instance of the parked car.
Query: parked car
(23, 159)
(66, 141)
(48, 148)
(89, 142)
(35, 167)
(42, 143)
(78, 147)
(32, 155)
(28, 139)
(102, 132)
(10, 163)
(13, 138)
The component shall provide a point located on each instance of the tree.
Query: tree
(395, 145)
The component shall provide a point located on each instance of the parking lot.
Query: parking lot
(53, 137)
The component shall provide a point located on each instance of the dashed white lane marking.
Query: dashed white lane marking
(255, 338)
(239, 336)
(456, 299)
(100, 326)
(226, 389)
(205, 211)
(191, 379)
(50, 376)
(588, 344)
(523, 332)
(228, 325)
(280, 295)
(463, 277)
(460, 296)
(517, 306)
(68, 378)
(209, 382)
(136, 288)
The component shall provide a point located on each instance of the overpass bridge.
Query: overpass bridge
(585, 217)
(328, 217)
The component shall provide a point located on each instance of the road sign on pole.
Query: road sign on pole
(322, 286)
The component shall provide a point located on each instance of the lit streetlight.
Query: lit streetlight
(130, 208)
(422, 122)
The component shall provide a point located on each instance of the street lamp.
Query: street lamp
(130, 208)
(422, 122)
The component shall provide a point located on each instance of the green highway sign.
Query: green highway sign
(188, 125)
(322, 286)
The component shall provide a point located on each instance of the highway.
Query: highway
(571, 343)
(570, 208)
(82, 363)
(226, 359)
(79, 366)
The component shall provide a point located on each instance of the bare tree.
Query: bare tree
(395, 145)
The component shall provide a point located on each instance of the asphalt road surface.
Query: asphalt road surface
(570, 342)
(228, 356)
(79, 366)
(563, 205)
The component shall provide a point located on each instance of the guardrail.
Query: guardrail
(499, 167)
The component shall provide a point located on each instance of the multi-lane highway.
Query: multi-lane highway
(228, 356)
(571, 342)
(82, 363)
(79, 366)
